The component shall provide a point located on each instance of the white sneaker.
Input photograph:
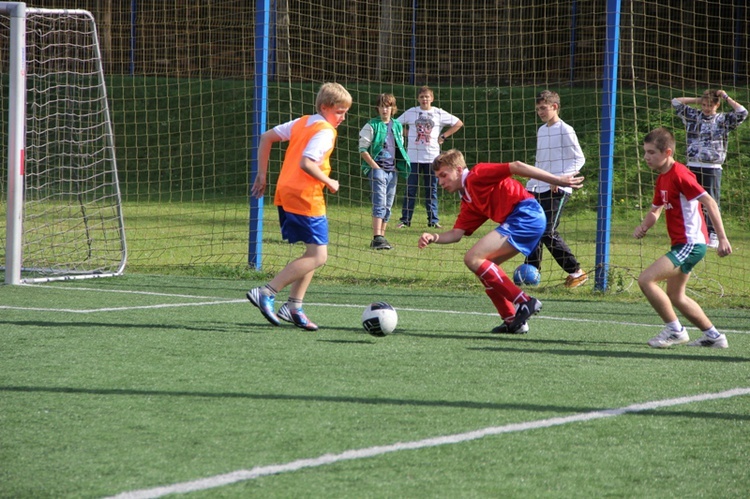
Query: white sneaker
(667, 338)
(707, 341)
(713, 241)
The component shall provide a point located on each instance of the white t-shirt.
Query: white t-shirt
(318, 146)
(557, 152)
(424, 131)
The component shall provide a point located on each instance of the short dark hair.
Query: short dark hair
(661, 138)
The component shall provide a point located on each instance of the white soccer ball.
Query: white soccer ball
(379, 318)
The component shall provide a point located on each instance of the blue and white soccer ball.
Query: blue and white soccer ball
(526, 275)
(379, 318)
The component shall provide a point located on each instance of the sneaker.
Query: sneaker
(404, 225)
(574, 282)
(297, 317)
(380, 243)
(264, 304)
(505, 328)
(435, 225)
(667, 338)
(713, 241)
(524, 311)
(707, 341)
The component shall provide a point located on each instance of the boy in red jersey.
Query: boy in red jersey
(678, 192)
(299, 197)
(488, 192)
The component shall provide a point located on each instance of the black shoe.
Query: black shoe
(525, 310)
(504, 328)
(380, 243)
(435, 225)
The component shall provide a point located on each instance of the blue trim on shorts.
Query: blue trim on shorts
(525, 226)
(299, 228)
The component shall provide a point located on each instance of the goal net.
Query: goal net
(191, 86)
(71, 223)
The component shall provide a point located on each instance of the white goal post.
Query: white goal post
(64, 209)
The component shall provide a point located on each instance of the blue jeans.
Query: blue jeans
(430, 184)
(383, 185)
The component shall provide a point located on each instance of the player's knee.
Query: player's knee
(644, 281)
(471, 261)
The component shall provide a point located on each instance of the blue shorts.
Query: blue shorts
(524, 226)
(686, 256)
(299, 228)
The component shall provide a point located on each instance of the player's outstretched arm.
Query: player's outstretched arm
(447, 237)
(522, 169)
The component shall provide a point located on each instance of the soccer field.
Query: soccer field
(143, 386)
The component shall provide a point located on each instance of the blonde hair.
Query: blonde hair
(661, 138)
(386, 100)
(332, 95)
(452, 159)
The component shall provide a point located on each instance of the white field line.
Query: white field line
(122, 309)
(211, 300)
(274, 469)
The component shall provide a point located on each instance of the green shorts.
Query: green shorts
(686, 256)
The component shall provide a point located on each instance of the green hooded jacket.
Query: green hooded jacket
(380, 130)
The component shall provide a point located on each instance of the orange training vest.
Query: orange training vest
(296, 191)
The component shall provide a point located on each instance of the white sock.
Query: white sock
(712, 332)
(674, 325)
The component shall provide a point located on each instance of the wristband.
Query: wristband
(443, 137)
(437, 236)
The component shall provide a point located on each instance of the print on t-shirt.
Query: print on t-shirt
(424, 126)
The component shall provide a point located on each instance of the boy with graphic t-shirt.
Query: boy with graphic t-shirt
(425, 124)
(679, 194)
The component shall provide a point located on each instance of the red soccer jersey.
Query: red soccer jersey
(678, 191)
(488, 192)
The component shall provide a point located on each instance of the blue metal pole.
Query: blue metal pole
(258, 125)
(607, 144)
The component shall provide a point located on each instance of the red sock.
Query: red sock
(500, 289)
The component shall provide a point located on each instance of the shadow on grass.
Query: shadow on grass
(459, 404)
(215, 328)
(649, 354)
